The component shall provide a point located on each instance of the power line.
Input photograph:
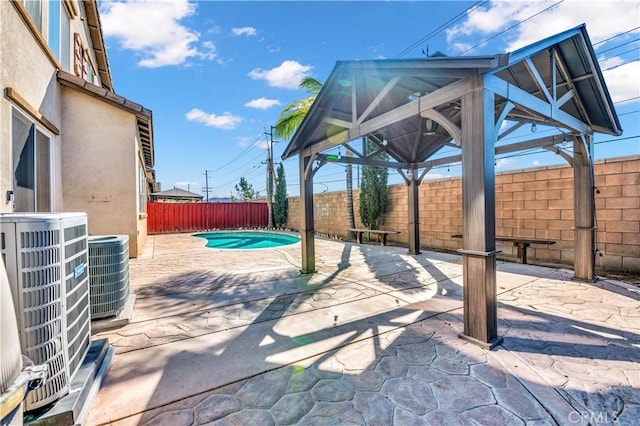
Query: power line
(615, 36)
(620, 45)
(442, 27)
(619, 65)
(617, 55)
(246, 173)
(251, 162)
(616, 139)
(510, 28)
(627, 100)
(246, 150)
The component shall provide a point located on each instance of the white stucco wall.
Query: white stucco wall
(30, 72)
(94, 158)
(99, 168)
(26, 68)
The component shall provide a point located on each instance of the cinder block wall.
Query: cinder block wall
(536, 203)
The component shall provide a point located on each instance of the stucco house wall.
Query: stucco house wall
(26, 69)
(99, 168)
(101, 144)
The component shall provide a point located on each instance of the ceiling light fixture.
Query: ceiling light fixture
(429, 127)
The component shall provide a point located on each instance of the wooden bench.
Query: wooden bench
(521, 243)
(383, 234)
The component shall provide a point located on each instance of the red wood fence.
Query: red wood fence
(165, 218)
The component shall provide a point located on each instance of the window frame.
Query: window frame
(35, 130)
(142, 190)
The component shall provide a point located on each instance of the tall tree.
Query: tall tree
(351, 220)
(281, 208)
(245, 190)
(373, 191)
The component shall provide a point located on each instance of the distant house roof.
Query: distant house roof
(176, 194)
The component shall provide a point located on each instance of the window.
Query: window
(31, 158)
(34, 8)
(54, 27)
(59, 33)
(65, 40)
(142, 190)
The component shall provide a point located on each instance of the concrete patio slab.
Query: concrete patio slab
(240, 337)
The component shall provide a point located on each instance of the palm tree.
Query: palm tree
(290, 119)
(292, 115)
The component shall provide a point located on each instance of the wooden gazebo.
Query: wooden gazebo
(412, 108)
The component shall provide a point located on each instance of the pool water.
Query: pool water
(247, 240)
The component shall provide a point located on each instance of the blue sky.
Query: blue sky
(217, 74)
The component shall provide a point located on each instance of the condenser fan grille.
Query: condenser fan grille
(109, 274)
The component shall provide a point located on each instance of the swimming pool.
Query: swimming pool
(246, 240)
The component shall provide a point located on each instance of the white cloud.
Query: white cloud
(622, 81)
(153, 30)
(262, 103)
(435, 175)
(225, 121)
(248, 31)
(244, 141)
(288, 75)
(603, 20)
(599, 17)
(503, 163)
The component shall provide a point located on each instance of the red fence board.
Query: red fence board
(165, 218)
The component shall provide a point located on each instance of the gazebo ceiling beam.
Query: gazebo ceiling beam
(506, 109)
(377, 100)
(572, 88)
(560, 152)
(353, 150)
(537, 78)
(431, 100)
(504, 149)
(338, 122)
(453, 130)
(533, 143)
(536, 105)
(510, 130)
(361, 161)
(443, 95)
(383, 148)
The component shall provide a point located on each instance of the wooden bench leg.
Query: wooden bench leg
(384, 239)
(522, 252)
(359, 237)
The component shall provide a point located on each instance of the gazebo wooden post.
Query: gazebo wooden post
(584, 203)
(307, 226)
(413, 212)
(478, 204)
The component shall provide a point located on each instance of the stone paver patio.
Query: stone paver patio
(241, 338)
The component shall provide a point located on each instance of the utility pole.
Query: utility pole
(206, 188)
(270, 176)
